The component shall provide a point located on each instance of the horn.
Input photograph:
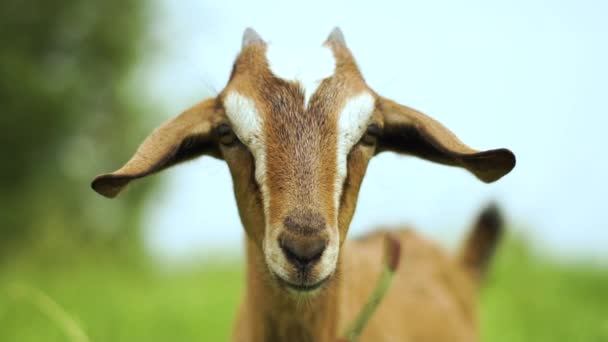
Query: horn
(336, 37)
(251, 37)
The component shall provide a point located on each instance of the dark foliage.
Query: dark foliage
(67, 114)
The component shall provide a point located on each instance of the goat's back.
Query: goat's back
(432, 296)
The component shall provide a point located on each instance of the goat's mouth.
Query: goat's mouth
(302, 286)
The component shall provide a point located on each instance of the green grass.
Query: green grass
(526, 299)
(113, 303)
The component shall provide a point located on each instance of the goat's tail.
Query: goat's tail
(479, 247)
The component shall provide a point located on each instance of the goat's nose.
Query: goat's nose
(304, 222)
(302, 251)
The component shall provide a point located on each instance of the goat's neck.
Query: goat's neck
(275, 315)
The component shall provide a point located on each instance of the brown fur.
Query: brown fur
(432, 298)
(267, 314)
(433, 295)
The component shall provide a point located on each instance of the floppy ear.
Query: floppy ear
(409, 131)
(187, 136)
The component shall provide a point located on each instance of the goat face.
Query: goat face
(297, 140)
(306, 143)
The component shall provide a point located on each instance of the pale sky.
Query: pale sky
(531, 76)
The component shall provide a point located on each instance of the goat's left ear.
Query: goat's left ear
(184, 137)
(411, 132)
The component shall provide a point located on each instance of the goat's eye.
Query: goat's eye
(371, 135)
(226, 135)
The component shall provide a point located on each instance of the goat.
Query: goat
(297, 150)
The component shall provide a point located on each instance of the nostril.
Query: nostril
(302, 251)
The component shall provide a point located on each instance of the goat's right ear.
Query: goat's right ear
(184, 137)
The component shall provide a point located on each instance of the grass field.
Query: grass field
(526, 299)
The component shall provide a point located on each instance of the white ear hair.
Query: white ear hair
(336, 37)
(251, 37)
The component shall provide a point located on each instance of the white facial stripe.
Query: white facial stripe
(308, 67)
(273, 253)
(247, 125)
(244, 116)
(329, 259)
(352, 123)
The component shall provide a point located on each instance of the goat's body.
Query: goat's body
(432, 298)
(298, 150)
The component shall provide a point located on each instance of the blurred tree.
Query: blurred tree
(67, 114)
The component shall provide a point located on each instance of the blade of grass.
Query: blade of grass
(47, 306)
(391, 261)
